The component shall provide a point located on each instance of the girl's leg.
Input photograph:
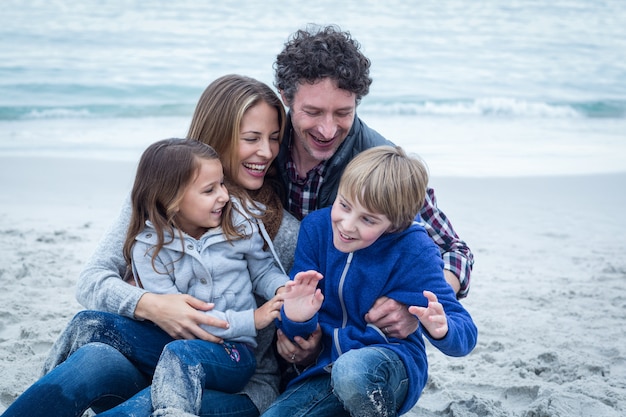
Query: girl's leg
(370, 381)
(95, 375)
(311, 397)
(140, 341)
(186, 367)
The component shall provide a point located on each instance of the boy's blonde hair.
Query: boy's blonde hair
(385, 180)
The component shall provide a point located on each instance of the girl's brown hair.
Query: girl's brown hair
(165, 170)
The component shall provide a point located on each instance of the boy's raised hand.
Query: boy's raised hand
(433, 318)
(302, 297)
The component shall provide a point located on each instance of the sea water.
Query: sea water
(476, 88)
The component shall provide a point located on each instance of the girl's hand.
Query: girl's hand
(433, 318)
(265, 315)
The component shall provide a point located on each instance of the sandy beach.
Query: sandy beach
(548, 289)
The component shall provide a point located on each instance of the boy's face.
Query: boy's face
(354, 227)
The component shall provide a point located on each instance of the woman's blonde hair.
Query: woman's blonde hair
(385, 180)
(220, 109)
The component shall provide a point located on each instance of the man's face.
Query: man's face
(322, 115)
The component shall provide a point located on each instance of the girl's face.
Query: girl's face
(258, 145)
(203, 200)
(354, 227)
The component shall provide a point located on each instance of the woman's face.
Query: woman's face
(258, 145)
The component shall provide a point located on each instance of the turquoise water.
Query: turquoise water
(477, 88)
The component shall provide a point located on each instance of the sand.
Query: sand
(548, 289)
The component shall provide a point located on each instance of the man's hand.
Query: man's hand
(179, 315)
(392, 317)
(304, 352)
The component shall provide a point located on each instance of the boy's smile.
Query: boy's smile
(355, 227)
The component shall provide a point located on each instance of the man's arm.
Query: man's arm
(457, 256)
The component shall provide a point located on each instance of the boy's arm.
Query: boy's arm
(453, 330)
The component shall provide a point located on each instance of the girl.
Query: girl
(187, 236)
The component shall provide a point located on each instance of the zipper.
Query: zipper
(344, 311)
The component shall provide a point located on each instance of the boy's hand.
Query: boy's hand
(433, 318)
(265, 315)
(302, 297)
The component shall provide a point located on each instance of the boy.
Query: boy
(365, 246)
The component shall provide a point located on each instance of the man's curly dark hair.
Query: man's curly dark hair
(316, 53)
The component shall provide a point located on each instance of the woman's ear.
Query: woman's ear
(283, 98)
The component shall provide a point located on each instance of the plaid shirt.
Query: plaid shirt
(303, 191)
(457, 256)
(303, 195)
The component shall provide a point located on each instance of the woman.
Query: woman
(87, 366)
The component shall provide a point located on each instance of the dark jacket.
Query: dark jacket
(360, 138)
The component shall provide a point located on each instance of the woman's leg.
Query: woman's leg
(95, 375)
(214, 404)
(370, 381)
(140, 341)
(311, 397)
(186, 367)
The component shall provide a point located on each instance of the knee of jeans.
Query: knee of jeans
(88, 323)
(176, 347)
(345, 377)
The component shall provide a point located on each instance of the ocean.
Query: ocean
(494, 88)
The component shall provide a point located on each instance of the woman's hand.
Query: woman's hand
(392, 317)
(304, 351)
(179, 315)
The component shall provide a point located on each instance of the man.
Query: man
(322, 76)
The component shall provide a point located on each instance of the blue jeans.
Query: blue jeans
(370, 381)
(101, 360)
(214, 404)
(96, 376)
(186, 367)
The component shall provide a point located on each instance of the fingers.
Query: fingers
(381, 308)
(308, 277)
(197, 303)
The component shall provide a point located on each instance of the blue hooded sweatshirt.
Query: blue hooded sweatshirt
(398, 265)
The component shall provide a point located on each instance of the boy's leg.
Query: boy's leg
(140, 341)
(311, 397)
(370, 381)
(186, 367)
(80, 383)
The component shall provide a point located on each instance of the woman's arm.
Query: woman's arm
(101, 287)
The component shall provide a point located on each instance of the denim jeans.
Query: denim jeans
(186, 367)
(101, 360)
(96, 375)
(370, 381)
(214, 404)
